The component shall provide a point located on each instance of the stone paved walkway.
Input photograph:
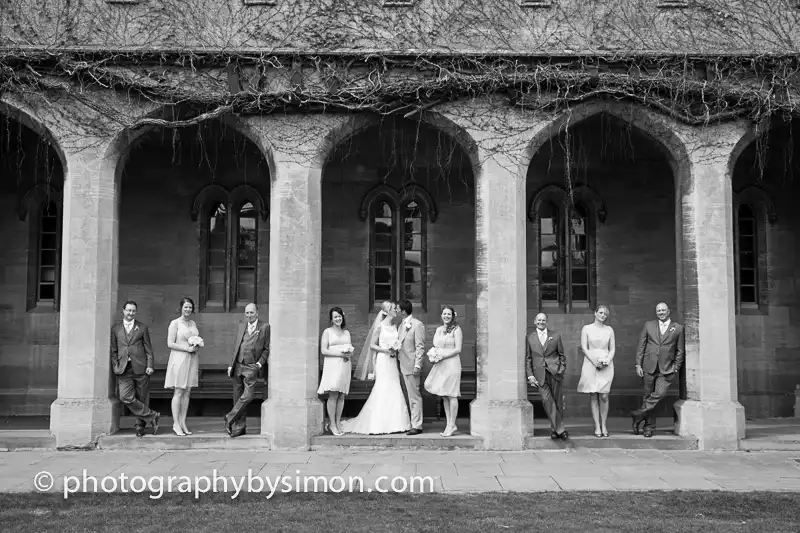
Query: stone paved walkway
(451, 471)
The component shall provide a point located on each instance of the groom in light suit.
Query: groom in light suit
(412, 348)
(658, 360)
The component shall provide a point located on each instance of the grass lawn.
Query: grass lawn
(652, 512)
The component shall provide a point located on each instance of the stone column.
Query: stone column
(501, 413)
(293, 413)
(83, 410)
(711, 412)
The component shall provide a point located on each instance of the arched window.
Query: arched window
(398, 244)
(41, 206)
(383, 253)
(216, 254)
(747, 245)
(47, 284)
(229, 268)
(550, 254)
(246, 255)
(579, 271)
(566, 246)
(753, 208)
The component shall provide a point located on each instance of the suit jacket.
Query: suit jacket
(259, 353)
(550, 357)
(412, 346)
(135, 348)
(665, 352)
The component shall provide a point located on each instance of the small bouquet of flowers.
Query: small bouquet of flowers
(394, 349)
(196, 341)
(433, 356)
(603, 360)
(347, 350)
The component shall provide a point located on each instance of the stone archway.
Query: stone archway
(31, 191)
(194, 222)
(602, 230)
(426, 254)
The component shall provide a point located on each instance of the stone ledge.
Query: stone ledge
(21, 440)
(424, 440)
(205, 441)
(625, 442)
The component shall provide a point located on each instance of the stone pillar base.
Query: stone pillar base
(502, 424)
(716, 425)
(290, 424)
(77, 423)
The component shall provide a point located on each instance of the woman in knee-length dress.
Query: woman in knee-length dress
(183, 368)
(444, 378)
(597, 373)
(336, 367)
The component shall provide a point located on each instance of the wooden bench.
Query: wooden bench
(213, 384)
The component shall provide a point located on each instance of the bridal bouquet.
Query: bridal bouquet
(394, 349)
(196, 341)
(433, 357)
(603, 360)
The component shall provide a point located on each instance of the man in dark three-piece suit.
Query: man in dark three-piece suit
(250, 353)
(545, 364)
(132, 361)
(659, 358)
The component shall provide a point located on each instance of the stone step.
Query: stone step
(424, 440)
(22, 439)
(170, 441)
(625, 442)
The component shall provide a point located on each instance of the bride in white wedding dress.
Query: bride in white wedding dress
(385, 411)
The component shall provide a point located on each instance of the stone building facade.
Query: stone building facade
(498, 210)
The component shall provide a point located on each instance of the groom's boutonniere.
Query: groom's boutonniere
(672, 329)
(549, 339)
(408, 325)
(135, 328)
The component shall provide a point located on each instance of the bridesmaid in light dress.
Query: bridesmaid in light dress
(183, 368)
(597, 373)
(444, 378)
(336, 368)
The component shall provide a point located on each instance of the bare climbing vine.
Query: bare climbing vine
(698, 61)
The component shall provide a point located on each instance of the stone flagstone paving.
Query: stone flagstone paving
(450, 471)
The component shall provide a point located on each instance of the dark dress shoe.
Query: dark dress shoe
(139, 431)
(155, 422)
(637, 417)
(554, 435)
(228, 429)
(648, 433)
(238, 433)
(415, 431)
(563, 436)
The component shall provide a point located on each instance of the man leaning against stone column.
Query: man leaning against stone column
(545, 364)
(250, 354)
(132, 361)
(659, 358)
